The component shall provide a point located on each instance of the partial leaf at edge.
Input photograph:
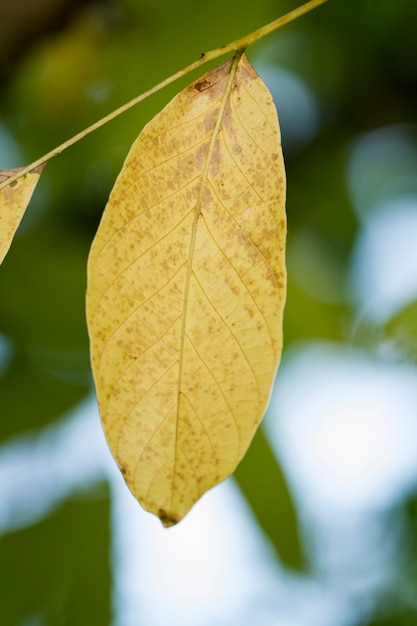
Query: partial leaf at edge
(186, 289)
(14, 199)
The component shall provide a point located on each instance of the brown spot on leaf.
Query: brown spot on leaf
(167, 519)
(205, 84)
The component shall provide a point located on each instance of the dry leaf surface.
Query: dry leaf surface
(186, 289)
(14, 199)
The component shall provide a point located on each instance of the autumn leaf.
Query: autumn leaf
(14, 199)
(186, 289)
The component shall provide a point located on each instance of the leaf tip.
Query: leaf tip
(168, 519)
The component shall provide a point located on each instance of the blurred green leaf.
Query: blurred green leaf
(42, 315)
(398, 335)
(402, 328)
(33, 395)
(58, 571)
(318, 198)
(261, 480)
(306, 317)
(42, 287)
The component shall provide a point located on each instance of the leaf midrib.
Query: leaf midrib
(197, 213)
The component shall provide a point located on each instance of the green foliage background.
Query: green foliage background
(360, 59)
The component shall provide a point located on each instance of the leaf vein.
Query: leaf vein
(210, 372)
(133, 361)
(245, 231)
(242, 282)
(228, 328)
(125, 269)
(136, 310)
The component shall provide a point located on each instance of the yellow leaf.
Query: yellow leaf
(14, 199)
(186, 289)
